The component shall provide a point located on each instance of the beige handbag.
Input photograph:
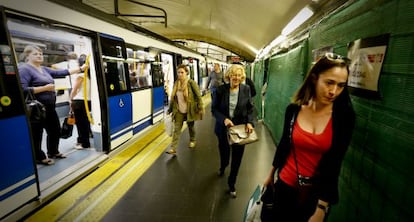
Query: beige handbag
(237, 135)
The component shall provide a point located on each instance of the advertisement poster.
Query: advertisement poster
(318, 53)
(367, 56)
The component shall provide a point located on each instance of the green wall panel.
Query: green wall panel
(376, 169)
(258, 78)
(285, 75)
(376, 177)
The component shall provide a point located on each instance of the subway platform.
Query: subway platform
(142, 183)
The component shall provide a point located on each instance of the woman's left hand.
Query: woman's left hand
(317, 216)
(249, 128)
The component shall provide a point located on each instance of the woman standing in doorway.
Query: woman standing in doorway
(39, 81)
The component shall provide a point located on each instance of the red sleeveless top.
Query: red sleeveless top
(309, 149)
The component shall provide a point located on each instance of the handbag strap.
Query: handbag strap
(29, 95)
(292, 122)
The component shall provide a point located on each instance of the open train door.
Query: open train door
(19, 181)
(119, 102)
(158, 85)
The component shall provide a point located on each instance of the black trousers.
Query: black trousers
(52, 126)
(82, 123)
(291, 204)
(236, 151)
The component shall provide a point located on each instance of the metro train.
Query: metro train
(131, 77)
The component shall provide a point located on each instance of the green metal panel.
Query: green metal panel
(258, 82)
(286, 73)
(377, 167)
(375, 180)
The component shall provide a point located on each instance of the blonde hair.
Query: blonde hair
(232, 70)
(29, 49)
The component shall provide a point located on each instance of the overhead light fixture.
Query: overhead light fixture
(298, 20)
(277, 40)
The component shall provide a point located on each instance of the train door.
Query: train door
(119, 104)
(203, 77)
(140, 80)
(168, 70)
(19, 181)
(193, 66)
(158, 92)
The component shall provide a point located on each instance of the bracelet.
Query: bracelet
(323, 207)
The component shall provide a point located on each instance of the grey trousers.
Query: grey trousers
(179, 119)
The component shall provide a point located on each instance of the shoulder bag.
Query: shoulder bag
(35, 109)
(67, 126)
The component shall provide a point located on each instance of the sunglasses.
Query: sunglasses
(335, 57)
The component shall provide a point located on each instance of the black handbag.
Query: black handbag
(267, 199)
(67, 128)
(35, 109)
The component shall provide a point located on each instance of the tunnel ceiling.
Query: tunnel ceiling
(240, 27)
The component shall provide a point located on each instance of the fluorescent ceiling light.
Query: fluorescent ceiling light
(277, 41)
(298, 20)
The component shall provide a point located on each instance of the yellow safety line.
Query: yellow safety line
(98, 203)
(62, 204)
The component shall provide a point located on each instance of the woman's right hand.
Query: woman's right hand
(271, 178)
(228, 122)
(49, 87)
(269, 181)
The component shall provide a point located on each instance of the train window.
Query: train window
(203, 72)
(157, 75)
(113, 55)
(139, 69)
(115, 76)
(112, 46)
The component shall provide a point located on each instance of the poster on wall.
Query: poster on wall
(367, 56)
(319, 53)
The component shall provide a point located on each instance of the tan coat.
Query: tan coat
(194, 102)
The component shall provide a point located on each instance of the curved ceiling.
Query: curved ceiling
(242, 27)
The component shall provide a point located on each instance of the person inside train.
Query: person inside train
(39, 81)
(185, 105)
(232, 106)
(70, 62)
(215, 79)
(77, 105)
(316, 133)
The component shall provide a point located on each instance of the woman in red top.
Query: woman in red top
(316, 134)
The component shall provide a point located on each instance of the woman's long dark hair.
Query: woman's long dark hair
(308, 88)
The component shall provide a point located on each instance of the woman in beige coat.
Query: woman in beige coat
(185, 105)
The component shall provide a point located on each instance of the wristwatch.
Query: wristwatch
(323, 207)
